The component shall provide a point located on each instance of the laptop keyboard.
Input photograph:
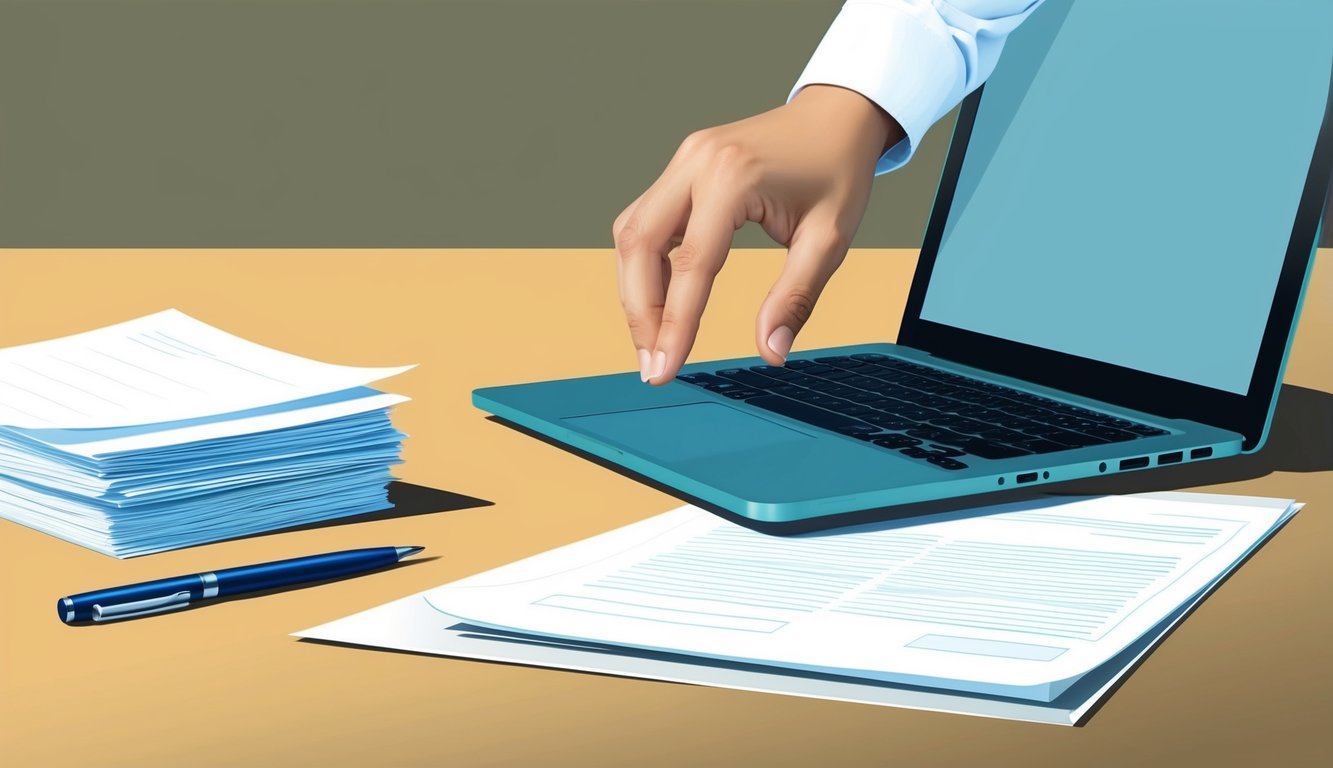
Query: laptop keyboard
(921, 412)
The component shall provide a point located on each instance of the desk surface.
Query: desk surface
(1245, 680)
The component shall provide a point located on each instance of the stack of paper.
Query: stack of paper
(1029, 611)
(165, 432)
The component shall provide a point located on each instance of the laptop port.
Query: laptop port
(1201, 453)
(1138, 463)
(1173, 457)
(1026, 477)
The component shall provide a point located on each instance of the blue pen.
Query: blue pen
(162, 595)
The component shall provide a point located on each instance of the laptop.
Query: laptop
(1109, 282)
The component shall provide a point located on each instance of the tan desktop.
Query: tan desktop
(1245, 680)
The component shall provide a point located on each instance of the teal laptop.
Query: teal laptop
(1109, 282)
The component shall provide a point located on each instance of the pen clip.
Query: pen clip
(141, 607)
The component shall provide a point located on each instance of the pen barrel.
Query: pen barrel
(86, 606)
(303, 570)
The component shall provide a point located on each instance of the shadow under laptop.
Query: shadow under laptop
(1300, 440)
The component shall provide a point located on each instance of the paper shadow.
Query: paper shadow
(1300, 440)
(405, 500)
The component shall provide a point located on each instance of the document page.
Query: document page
(1018, 600)
(163, 367)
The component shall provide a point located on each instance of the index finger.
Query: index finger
(643, 235)
(694, 265)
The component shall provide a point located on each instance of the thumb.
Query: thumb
(815, 252)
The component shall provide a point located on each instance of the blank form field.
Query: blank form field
(979, 647)
(654, 613)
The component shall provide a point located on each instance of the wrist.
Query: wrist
(872, 129)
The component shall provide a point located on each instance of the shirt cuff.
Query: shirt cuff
(902, 57)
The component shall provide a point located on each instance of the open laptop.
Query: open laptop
(1109, 282)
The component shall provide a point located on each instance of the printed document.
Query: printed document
(163, 367)
(1016, 601)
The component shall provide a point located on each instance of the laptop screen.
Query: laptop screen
(1130, 184)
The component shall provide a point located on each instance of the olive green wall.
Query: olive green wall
(364, 123)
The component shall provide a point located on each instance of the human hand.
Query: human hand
(802, 171)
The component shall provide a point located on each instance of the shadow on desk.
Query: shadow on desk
(1300, 440)
(405, 500)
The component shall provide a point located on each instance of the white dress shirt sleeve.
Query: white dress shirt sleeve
(916, 59)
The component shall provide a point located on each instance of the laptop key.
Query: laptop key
(800, 365)
(856, 430)
(937, 435)
(944, 450)
(801, 380)
(862, 396)
(960, 424)
(1039, 445)
(773, 372)
(895, 441)
(988, 450)
(851, 409)
(885, 388)
(837, 374)
(1002, 435)
(917, 453)
(989, 415)
(944, 462)
(748, 378)
(889, 405)
(1073, 439)
(1109, 434)
(916, 414)
(887, 420)
(838, 390)
(824, 401)
(699, 379)
(741, 394)
(817, 369)
(841, 361)
(799, 411)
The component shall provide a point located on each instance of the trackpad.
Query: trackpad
(686, 432)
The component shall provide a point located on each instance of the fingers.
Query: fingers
(694, 265)
(814, 254)
(643, 234)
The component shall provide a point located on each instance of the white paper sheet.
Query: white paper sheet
(162, 367)
(413, 624)
(1016, 601)
(94, 443)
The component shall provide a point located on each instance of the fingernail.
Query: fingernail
(659, 365)
(780, 341)
(645, 359)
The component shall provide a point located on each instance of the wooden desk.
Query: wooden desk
(1245, 681)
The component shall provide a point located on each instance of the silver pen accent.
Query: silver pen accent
(141, 607)
(210, 581)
